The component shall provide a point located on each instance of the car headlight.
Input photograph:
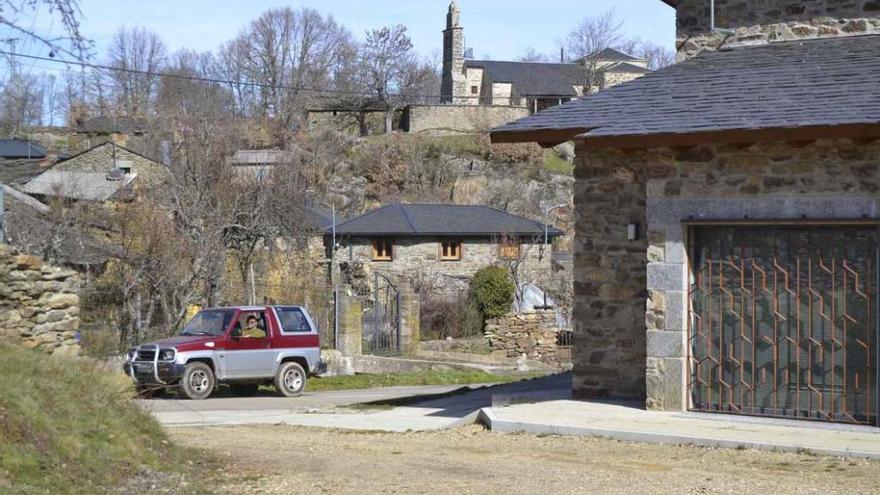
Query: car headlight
(166, 355)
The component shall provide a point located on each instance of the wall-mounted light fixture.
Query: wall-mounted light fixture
(632, 231)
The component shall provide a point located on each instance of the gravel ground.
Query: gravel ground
(280, 459)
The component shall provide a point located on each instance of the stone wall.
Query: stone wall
(609, 279)
(39, 305)
(771, 20)
(417, 261)
(533, 334)
(458, 119)
(822, 180)
(101, 159)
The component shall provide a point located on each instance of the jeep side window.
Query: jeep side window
(253, 325)
(293, 320)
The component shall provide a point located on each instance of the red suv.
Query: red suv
(243, 347)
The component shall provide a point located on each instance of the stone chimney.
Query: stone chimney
(453, 83)
(739, 22)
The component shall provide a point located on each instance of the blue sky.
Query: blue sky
(497, 28)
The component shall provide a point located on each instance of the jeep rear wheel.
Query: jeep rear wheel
(290, 379)
(243, 389)
(197, 382)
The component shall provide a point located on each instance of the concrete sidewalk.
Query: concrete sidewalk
(628, 422)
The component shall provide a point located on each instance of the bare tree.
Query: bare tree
(532, 55)
(18, 15)
(593, 35)
(386, 53)
(140, 50)
(21, 100)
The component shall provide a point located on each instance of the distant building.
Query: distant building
(102, 173)
(534, 85)
(21, 160)
(444, 244)
(255, 163)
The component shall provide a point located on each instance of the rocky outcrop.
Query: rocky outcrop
(39, 305)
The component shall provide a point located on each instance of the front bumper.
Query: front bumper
(154, 373)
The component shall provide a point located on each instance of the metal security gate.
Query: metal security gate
(783, 321)
(381, 322)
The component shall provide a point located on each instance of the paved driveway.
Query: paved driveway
(419, 408)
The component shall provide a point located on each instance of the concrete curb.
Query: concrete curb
(488, 417)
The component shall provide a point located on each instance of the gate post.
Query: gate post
(350, 340)
(410, 316)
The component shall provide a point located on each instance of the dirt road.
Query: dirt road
(277, 459)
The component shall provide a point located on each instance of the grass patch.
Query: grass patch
(555, 164)
(444, 377)
(68, 427)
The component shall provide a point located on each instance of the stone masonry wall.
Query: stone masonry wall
(459, 119)
(533, 334)
(418, 261)
(771, 20)
(826, 179)
(39, 305)
(609, 279)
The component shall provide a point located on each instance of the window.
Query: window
(383, 250)
(293, 320)
(475, 90)
(450, 250)
(251, 325)
(509, 249)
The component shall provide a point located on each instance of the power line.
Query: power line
(222, 81)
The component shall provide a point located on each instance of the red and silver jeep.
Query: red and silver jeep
(222, 346)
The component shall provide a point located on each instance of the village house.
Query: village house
(728, 210)
(444, 245)
(21, 160)
(533, 85)
(104, 172)
(255, 163)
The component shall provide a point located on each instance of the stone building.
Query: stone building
(444, 245)
(532, 85)
(104, 172)
(726, 241)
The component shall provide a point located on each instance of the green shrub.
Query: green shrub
(492, 290)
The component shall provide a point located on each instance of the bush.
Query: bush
(492, 290)
(443, 316)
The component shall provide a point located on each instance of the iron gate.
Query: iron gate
(783, 321)
(381, 322)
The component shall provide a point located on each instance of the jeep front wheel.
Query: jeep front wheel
(197, 381)
(290, 379)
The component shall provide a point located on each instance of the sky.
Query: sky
(500, 29)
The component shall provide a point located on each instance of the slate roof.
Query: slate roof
(534, 78)
(20, 148)
(440, 220)
(611, 54)
(625, 67)
(819, 82)
(256, 157)
(88, 186)
(19, 171)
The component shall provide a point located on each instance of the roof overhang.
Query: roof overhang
(552, 137)
(734, 136)
(544, 137)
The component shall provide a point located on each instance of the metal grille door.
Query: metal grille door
(381, 323)
(783, 322)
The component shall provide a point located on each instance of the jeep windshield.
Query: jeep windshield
(209, 323)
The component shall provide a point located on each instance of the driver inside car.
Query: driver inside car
(251, 330)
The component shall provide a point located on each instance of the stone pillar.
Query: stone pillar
(665, 377)
(350, 325)
(609, 277)
(410, 317)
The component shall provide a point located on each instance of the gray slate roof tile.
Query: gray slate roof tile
(830, 81)
(440, 220)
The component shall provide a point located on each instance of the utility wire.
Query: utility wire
(221, 81)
